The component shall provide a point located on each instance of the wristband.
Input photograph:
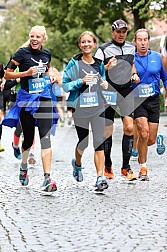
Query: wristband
(135, 73)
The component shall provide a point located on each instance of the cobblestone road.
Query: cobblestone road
(126, 218)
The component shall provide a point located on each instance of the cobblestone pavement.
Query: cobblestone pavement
(127, 217)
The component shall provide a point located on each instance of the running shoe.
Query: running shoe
(69, 120)
(62, 122)
(17, 152)
(134, 153)
(143, 174)
(77, 171)
(2, 149)
(49, 185)
(160, 144)
(101, 183)
(128, 173)
(31, 159)
(23, 177)
(108, 172)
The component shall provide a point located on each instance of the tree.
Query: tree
(18, 20)
(71, 17)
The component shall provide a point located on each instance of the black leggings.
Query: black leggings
(44, 123)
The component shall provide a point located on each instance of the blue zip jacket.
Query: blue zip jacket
(71, 81)
(150, 69)
(32, 102)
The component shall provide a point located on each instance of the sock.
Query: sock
(77, 165)
(16, 141)
(23, 166)
(127, 144)
(143, 165)
(46, 175)
(107, 151)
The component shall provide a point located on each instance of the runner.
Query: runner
(84, 79)
(34, 105)
(14, 86)
(58, 98)
(118, 56)
(1, 103)
(163, 51)
(150, 69)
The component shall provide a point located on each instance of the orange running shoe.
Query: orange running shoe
(128, 173)
(108, 172)
(143, 174)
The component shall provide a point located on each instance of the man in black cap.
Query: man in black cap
(118, 57)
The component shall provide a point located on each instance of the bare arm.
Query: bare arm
(164, 61)
(10, 74)
(55, 76)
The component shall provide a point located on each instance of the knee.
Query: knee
(128, 130)
(45, 143)
(108, 131)
(27, 145)
(83, 144)
(143, 135)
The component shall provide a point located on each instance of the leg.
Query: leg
(28, 127)
(135, 141)
(16, 140)
(99, 162)
(27, 122)
(82, 128)
(98, 125)
(127, 141)
(127, 144)
(143, 131)
(153, 130)
(44, 115)
(60, 110)
(109, 121)
(44, 127)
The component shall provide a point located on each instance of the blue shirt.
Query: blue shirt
(150, 70)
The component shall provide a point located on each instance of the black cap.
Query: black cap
(119, 24)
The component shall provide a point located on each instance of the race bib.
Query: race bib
(145, 90)
(37, 85)
(110, 97)
(89, 99)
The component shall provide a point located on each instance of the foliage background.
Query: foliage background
(66, 19)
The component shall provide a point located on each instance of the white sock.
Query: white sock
(16, 146)
(143, 165)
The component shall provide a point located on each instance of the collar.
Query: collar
(118, 44)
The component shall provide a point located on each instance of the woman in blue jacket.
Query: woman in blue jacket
(84, 79)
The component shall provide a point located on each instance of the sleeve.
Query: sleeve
(1, 71)
(99, 54)
(19, 55)
(9, 84)
(103, 71)
(71, 81)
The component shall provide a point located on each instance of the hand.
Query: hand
(87, 78)
(135, 78)
(32, 71)
(53, 79)
(111, 63)
(2, 84)
(18, 80)
(104, 84)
